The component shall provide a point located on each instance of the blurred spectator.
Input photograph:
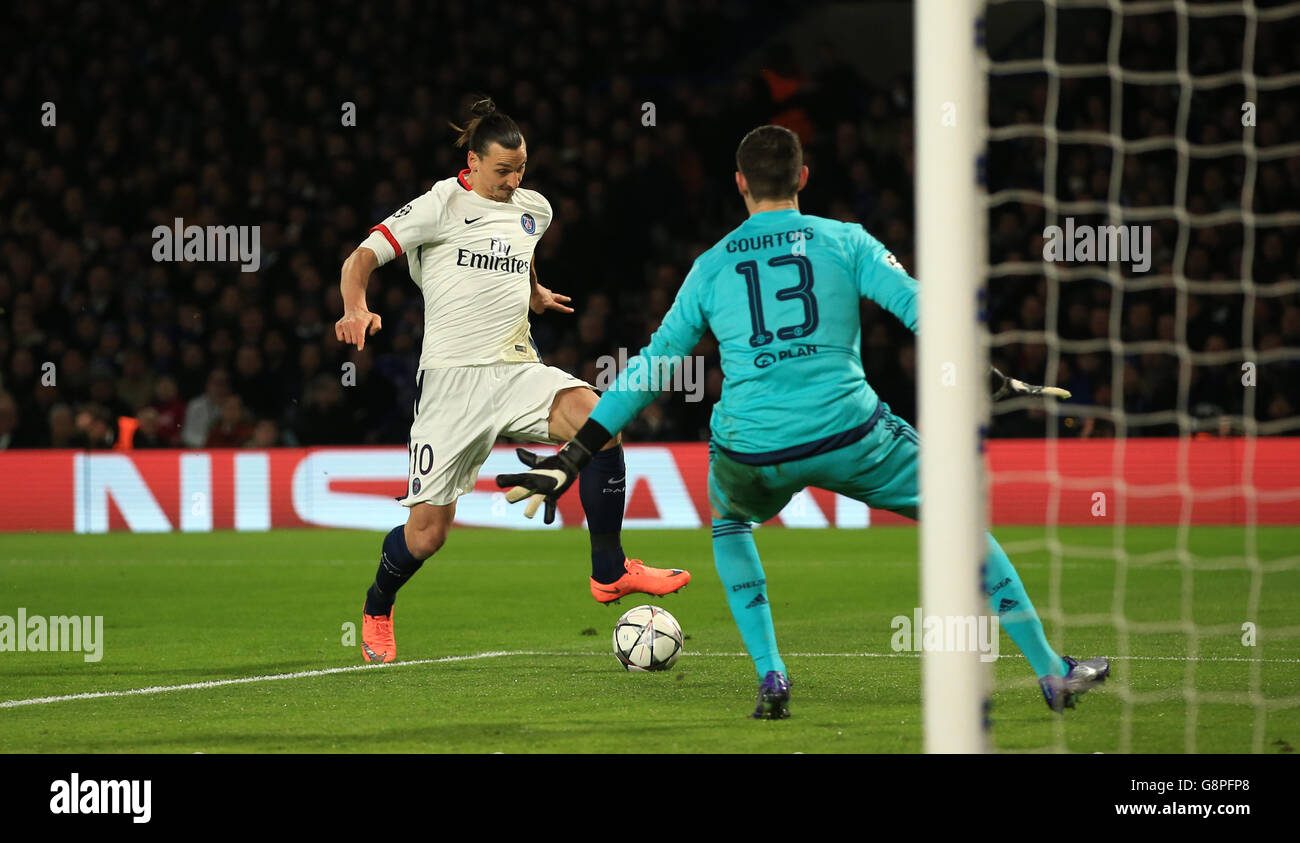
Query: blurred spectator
(171, 410)
(265, 435)
(204, 411)
(8, 420)
(135, 387)
(63, 431)
(373, 401)
(321, 420)
(103, 392)
(251, 383)
(147, 434)
(96, 427)
(232, 428)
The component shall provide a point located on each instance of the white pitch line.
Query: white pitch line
(303, 674)
(492, 654)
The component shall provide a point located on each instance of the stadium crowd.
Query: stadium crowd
(232, 115)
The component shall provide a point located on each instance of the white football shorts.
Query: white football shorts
(459, 413)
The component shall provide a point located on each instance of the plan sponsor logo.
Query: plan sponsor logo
(767, 358)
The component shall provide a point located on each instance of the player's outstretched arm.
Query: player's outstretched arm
(551, 477)
(1005, 387)
(357, 321)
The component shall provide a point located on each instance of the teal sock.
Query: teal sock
(741, 572)
(1011, 604)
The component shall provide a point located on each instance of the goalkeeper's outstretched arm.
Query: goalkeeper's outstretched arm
(1004, 387)
(550, 477)
(882, 279)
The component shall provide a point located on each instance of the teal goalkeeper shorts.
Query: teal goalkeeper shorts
(879, 469)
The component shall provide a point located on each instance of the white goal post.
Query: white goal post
(952, 359)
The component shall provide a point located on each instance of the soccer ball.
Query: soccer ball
(647, 638)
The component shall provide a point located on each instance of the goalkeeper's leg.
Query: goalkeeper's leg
(1015, 611)
(738, 495)
(736, 558)
(745, 585)
(883, 472)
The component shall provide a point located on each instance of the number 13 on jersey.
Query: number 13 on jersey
(802, 291)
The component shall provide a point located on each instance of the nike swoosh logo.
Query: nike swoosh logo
(607, 590)
(476, 219)
(616, 479)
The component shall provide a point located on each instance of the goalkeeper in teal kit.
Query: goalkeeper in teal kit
(781, 293)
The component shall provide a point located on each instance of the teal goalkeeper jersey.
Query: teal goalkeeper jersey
(780, 293)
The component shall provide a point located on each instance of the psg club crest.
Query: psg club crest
(415, 486)
(529, 224)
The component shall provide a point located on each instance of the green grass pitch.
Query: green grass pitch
(539, 675)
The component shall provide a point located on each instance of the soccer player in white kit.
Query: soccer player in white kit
(469, 244)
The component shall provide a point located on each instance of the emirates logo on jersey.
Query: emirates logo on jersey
(494, 263)
(529, 224)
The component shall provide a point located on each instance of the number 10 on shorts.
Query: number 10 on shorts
(421, 458)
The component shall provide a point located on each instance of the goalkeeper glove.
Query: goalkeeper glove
(551, 477)
(1005, 387)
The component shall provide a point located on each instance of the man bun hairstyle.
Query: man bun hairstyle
(486, 127)
(770, 158)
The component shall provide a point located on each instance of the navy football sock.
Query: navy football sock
(602, 485)
(396, 566)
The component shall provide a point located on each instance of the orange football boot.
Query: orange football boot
(640, 579)
(377, 641)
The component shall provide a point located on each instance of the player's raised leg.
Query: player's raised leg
(602, 486)
(405, 549)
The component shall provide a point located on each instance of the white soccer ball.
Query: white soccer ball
(647, 638)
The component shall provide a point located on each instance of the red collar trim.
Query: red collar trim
(461, 178)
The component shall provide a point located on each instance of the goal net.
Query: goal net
(1142, 179)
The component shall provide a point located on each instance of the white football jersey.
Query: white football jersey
(472, 258)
